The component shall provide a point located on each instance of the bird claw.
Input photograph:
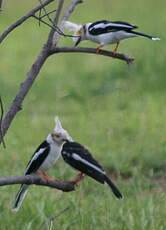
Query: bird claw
(77, 179)
(98, 49)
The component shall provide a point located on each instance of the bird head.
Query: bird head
(82, 33)
(60, 135)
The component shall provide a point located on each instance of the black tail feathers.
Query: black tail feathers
(145, 35)
(115, 190)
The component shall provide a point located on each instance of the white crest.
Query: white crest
(72, 27)
(58, 126)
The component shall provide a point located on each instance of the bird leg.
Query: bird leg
(45, 176)
(98, 49)
(79, 177)
(117, 45)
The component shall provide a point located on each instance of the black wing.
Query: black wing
(80, 158)
(104, 26)
(38, 158)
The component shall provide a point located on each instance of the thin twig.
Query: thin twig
(46, 13)
(55, 22)
(1, 118)
(53, 217)
(107, 53)
(55, 28)
(40, 11)
(22, 20)
(30, 180)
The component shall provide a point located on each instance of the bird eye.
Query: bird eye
(79, 32)
(57, 135)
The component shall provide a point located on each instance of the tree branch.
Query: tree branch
(1, 117)
(30, 180)
(120, 56)
(55, 22)
(66, 16)
(23, 19)
(25, 87)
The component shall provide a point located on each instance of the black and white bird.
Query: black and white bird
(43, 159)
(79, 157)
(105, 32)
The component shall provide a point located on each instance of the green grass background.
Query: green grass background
(119, 112)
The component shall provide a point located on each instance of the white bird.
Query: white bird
(43, 159)
(106, 32)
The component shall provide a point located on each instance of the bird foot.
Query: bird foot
(45, 176)
(116, 48)
(79, 177)
(98, 49)
(114, 51)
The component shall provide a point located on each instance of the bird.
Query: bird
(80, 158)
(105, 32)
(43, 159)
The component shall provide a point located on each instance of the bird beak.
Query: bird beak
(78, 41)
(79, 33)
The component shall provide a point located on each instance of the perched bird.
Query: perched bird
(81, 159)
(105, 32)
(43, 159)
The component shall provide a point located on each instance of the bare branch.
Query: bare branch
(25, 87)
(2, 111)
(48, 13)
(67, 14)
(120, 56)
(30, 180)
(55, 22)
(23, 19)
(55, 28)
(45, 11)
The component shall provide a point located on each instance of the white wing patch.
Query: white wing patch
(78, 158)
(102, 25)
(37, 154)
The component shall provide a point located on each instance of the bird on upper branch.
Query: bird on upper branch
(79, 157)
(43, 159)
(105, 32)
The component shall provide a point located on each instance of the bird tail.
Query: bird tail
(115, 190)
(20, 196)
(145, 35)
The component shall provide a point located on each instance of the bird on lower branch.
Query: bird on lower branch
(79, 157)
(105, 32)
(43, 159)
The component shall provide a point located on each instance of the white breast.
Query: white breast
(110, 38)
(51, 159)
